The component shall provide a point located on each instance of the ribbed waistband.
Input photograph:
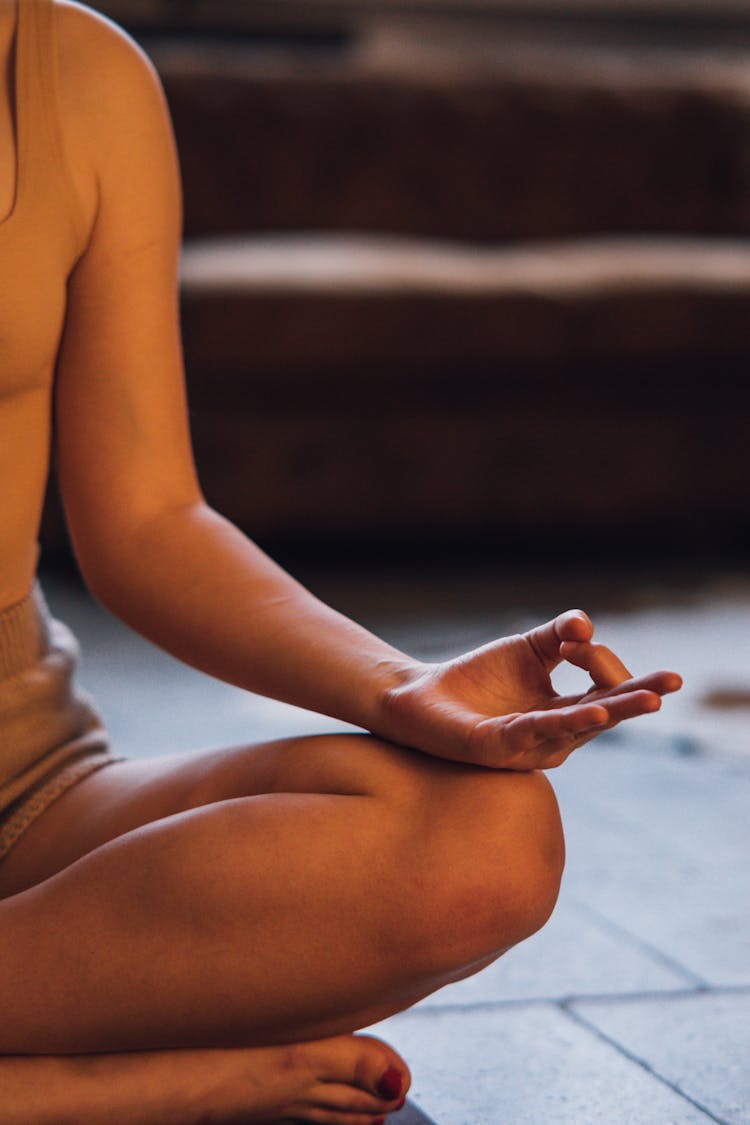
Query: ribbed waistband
(24, 633)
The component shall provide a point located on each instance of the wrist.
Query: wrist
(393, 680)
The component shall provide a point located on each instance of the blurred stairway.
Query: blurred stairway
(433, 285)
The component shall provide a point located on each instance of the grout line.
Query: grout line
(575, 1017)
(620, 931)
(480, 1006)
(672, 994)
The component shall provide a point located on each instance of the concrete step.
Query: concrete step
(585, 145)
(385, 385)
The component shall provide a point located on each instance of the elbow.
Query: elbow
(103, 570)
(130, 563)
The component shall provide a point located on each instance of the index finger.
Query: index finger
(605, 668)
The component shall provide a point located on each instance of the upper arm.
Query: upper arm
(122, 439)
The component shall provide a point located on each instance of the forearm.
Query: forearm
(196, 586)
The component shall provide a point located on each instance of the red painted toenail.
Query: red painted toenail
(401, 1104)
(390, 1084)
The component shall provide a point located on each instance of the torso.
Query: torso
(25, 411)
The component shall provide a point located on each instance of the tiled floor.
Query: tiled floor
(632, 1006)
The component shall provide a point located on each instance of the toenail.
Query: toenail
(390, 1084)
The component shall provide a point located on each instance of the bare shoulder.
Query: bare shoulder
(90, 36)
(108, 88)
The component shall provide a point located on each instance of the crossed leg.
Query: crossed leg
(206, 909)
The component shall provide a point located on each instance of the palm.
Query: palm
(502, 679)
(497, 706)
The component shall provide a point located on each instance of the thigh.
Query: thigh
(248, 896)
(130, 794)
(291, 890)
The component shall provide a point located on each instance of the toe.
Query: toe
(384, 1072)
(358, 1078)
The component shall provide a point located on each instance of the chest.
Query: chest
(33, 295)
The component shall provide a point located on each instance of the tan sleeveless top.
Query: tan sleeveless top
(44, 234)
(50, 735)
(41, 240)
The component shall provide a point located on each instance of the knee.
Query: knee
(522, 898)
(488, 871)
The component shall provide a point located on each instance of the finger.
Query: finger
(573, 625)
(527, 732)
(663, 683)
(605, 668)
(630, 705)
(554, 744)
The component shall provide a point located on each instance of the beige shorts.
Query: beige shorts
(51, 736)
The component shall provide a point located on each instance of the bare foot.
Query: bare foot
(348, 1080)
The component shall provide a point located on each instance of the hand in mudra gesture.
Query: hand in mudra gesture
(496, 706)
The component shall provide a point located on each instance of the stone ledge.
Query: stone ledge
(328, 305)
(345, 387)
(350, 264)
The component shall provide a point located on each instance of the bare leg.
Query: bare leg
(332, 1081)
(349, 880)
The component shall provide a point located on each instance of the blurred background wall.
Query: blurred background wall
(464, 274)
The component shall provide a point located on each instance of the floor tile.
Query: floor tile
(657, 847)
(701, 1044)
(411, 1114)
(527, 1066)
(571, 956)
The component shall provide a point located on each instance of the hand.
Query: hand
(496, 706)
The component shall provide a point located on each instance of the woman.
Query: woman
(196, 938)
